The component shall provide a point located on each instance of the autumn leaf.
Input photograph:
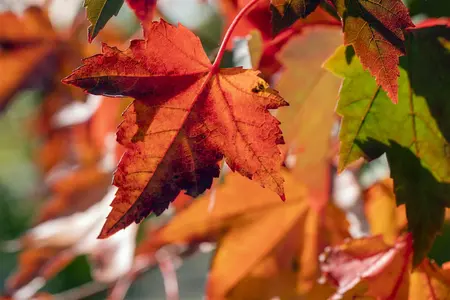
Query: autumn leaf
(75, 192)
(28, 47)
(287, 12)
(362, 109)
(383, 216)
(99, 12)
(40, 263)
(79, 184)
(309, 88)
(82, 144)
(375, 30)
(382, 213)
(184, 120)
(103, 124)
(52, 244)
(63, 109)
(429, 281)
(249, 263)
(37, 55)
(370, 268)
(413, 132)
(384, 269)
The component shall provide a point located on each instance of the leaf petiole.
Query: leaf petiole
(216, 65)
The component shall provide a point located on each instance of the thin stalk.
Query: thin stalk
(244, 10)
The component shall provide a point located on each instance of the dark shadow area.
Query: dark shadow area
(439, 252)
(349, 54)
(416, 187)
(428, 66)
(292, 13)
(431, 8)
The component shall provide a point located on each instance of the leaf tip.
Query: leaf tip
(393, 94)
(417, 255)
(102, 235)
(67, 79)
(341, 165)
(105, 233)
(108, 230)
(91, 35)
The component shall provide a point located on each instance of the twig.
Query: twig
(169, 274)
(10, 246)
(81, 292)
(223, 46)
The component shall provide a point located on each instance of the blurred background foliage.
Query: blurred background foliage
(19, 178)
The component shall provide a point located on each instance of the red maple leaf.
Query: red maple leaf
(187, 116)
(143, 9)
(375, 29)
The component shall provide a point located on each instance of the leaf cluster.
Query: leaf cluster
(219, 147)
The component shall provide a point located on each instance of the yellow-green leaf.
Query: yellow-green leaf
(414, 133)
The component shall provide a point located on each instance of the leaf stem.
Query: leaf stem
(244, 10)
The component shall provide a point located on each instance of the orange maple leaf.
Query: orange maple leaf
(28, 46)
(36, 54)
(382, 213)
(311, 92)
(187, 116)
(266, 248)
(369, 260)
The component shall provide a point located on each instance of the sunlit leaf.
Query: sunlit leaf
(375, 29)
(414, 133)
(184, 120)
(249, 263)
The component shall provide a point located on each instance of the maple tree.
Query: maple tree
(250, 158)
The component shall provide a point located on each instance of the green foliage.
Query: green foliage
(99, 12)
(423, 195)
(414, 133)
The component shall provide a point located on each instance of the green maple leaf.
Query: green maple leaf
(414, 133)
(99, 12)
